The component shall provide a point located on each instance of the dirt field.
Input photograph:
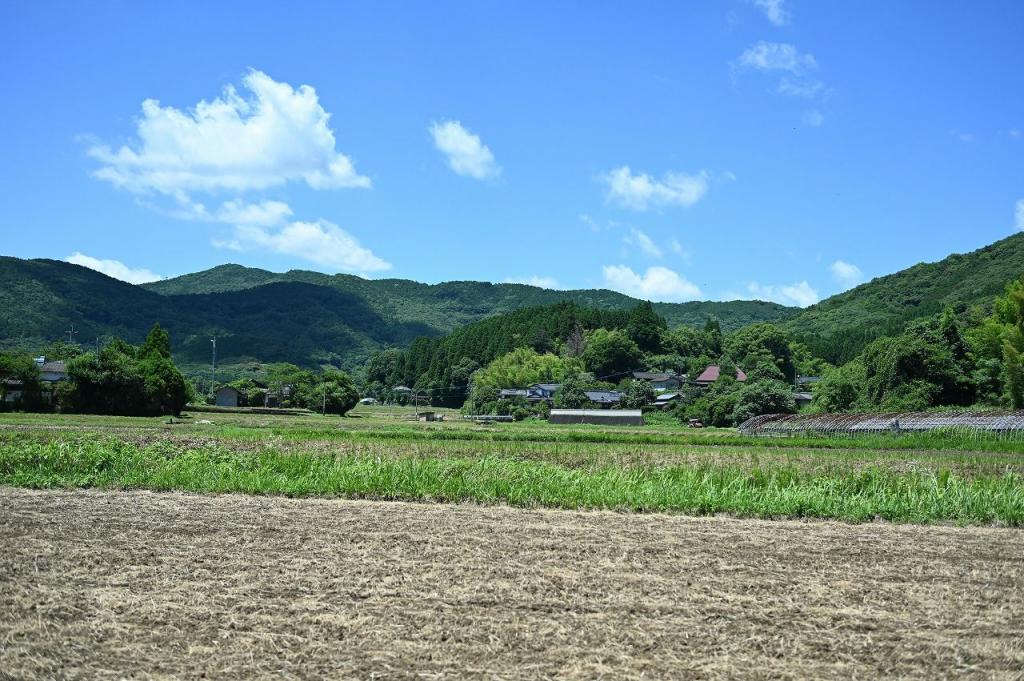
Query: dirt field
(115, 584)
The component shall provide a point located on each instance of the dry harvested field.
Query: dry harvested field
(114, 584)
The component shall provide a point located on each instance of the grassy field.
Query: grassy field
(380, 453)
(239, 545)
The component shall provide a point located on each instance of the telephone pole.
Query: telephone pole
(71, 333)
(213, 367)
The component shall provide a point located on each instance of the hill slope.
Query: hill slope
(311, 318)
(450, 305)
(303, 317)
(839, 327)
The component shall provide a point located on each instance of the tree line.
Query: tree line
(127, 380)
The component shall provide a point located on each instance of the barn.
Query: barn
(609, 417)
(227, 396)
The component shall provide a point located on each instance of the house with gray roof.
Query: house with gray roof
(660, 380)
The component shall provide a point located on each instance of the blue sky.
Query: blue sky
(774, 149)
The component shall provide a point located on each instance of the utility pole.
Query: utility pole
(324, 386)
(71, 333)
(213, 367)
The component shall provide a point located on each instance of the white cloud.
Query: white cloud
(800, 294)
(643, 242)
(774, 10)
(846, 273)
(319, 242)
(467, 155)
(277, 135)
(657, 283)
(641, 192)
(264, 214)
(680, 250)
(1015, 133)
(813, 118)
(540, 282)
(800, 87)
(965, 137)
(766, 56)
(113, 268)
(1019, 214)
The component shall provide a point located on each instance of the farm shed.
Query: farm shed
(610, 417)
(1010, 423)
(226, 397)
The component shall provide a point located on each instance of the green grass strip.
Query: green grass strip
(768, 492)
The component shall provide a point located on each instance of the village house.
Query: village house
(664, 400)
(604, 398)
(542, 391)
(53, 371)
(711, 374)
(660, 380)
(806, 383)
(512, 393)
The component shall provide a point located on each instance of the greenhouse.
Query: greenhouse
(1006, 423)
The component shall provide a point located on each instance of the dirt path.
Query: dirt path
(116, 584)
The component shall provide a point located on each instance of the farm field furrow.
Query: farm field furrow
(110, 584)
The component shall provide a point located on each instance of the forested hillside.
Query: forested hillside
(311, 319)
(839, 327)
(450, 305)
(302, 317)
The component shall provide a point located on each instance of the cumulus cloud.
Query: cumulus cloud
(467, 154)
(265, 213)
(800, 294)
(846, 273)
(800, 87)
(766, 56)
(113, 268)
(657, 283)
(774, 10)
(539, 282)
(320, 242)
(276, 135)
(641, 191)
(643, 242)
(1019, 214)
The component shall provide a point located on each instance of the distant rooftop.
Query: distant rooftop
(710, 375)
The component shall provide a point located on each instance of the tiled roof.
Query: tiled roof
(710, 375)
(653, 376)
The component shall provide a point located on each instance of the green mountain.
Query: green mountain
(837, 328)
(310, 318)
(303, 317)
(450, 305)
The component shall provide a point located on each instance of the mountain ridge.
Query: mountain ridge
(311, 318)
